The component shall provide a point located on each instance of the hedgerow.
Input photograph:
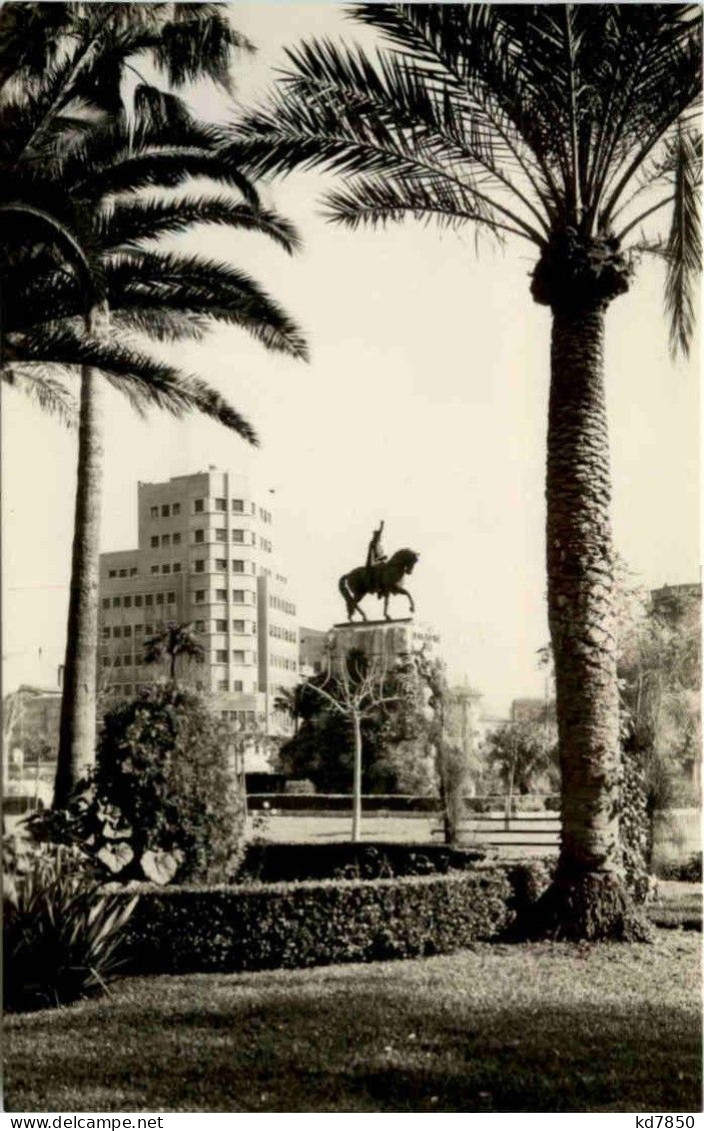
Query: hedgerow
(268, 926)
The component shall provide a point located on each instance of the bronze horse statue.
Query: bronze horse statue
(381, 579)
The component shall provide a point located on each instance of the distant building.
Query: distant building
(533, 711)
(205, 557)
(312, 644)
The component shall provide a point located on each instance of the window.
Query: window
(199, 626)
(148, 629)
(106, 661)
(199, 566)
(122, 573)
(127, 660)
(166, 568)
(171, 597)
(238, 506)
(127, 630)
(154, 542)
(198, 506)
(155, 569)
(106, 633)
(116, 602)
(117, 662)
(220, 565)
(238, 626)
(154, 512)
(133, 571)
(199, 596)
(238, 656)
(106, 602)
(138, 601)
(138, 629)
(160, 598)
(238, 596)
(177, 540)
(221, 626)
(112, 573)
(165, 510)
(220, 656)
(148, 600)
(176, 567)
(220, 504)
(166, 539)
(222, 686)
(238, 535)
(199, 685)
(127, 602)
(127, 689)
(199, 535)
(221, 594)
(254, 627)
(238, 685)
(117, 631)
(176, 508)
(238, 566)
(221, 536)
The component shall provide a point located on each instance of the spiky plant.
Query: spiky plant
(572, 128)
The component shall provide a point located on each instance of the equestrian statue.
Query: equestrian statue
(380, 575)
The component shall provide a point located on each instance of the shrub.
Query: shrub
(61, 936)
(273, 863)
(687, 871)
(293, 925)
(163, 802)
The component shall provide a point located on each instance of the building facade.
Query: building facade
(205, 557)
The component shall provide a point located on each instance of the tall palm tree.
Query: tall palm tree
(571, 128)
(172, 641)
(53, 139)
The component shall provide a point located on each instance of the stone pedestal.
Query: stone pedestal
(382, 640)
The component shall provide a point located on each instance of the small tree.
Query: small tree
(523, 753)
(172, 641)
(357, 687)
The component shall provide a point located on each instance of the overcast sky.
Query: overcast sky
(425, 404)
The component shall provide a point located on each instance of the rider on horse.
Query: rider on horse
(375, 556)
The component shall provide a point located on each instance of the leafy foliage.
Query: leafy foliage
(524, 756)
(62, 936)
(306, 924)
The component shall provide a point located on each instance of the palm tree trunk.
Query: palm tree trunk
(588, 898)
(78, 705)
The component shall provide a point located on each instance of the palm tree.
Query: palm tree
(172, 641)
(571, 128)
(51, 140)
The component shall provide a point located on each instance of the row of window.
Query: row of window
(131, 572)
(265, 544)
(239, 656)
(137, 600)
(129, 688)
(282, 606)
(220, 565)
(283, 662)
(239, 596)
(166, 509)
(241, 718)
(283, 634)
(166, 567)
(237, 535)
(264, 515)
(165, 540)
(221, 626)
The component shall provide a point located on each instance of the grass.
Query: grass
(677, 905)
(541, 1027)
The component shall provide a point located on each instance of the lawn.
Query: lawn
(541, 1027)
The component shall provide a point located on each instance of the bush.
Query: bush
(163, 801)
(175, 930)
(275, 863)
(61, 936)
(687, 871)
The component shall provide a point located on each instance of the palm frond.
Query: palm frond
(126, 222)
(39, 384)
(684, 247)
(144, 380)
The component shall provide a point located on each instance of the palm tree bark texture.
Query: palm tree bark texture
(78, 703)
(588, 898)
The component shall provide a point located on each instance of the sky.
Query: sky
(424, 403)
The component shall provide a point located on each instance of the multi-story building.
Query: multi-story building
(205, 557)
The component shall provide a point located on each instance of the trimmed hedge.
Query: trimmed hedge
(269, 926)
(276, 862)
